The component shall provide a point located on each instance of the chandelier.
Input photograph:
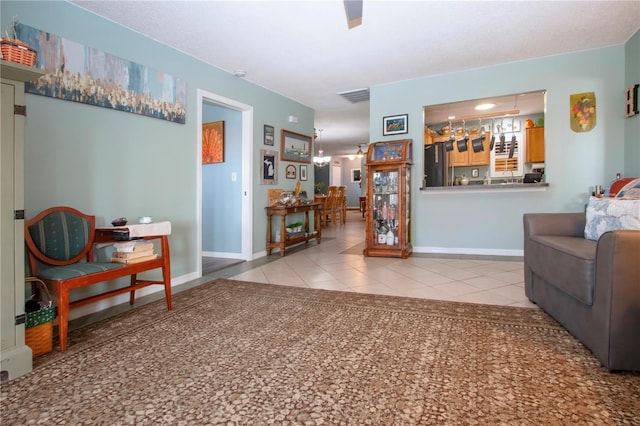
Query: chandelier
(320, 160)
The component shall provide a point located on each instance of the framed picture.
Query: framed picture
(291, 171)
(269, 135)
(295, 147)
(582, 111)
(268, 167)
(356, 175)
(631, 101)
(475, 173)
(303, 172)
(213, 142)
(395, 124)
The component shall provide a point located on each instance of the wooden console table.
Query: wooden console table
(286, 240)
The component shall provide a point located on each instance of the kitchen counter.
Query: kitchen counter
(493, 187)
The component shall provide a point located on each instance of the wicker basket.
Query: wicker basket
(39, 325)
(14, 50)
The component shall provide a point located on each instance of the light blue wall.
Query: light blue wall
(492, 222)
(632, 124)
(112, 163)
(222, 197)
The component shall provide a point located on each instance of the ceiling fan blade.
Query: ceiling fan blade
(353, 8)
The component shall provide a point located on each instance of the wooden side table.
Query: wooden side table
(287, 240)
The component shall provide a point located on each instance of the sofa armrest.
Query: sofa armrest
(561, 224)
(618, 286)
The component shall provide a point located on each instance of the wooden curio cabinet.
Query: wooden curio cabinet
(388, 215)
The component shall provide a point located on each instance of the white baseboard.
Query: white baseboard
(469, 251)
(222, 255)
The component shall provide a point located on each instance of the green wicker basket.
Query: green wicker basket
(44, 315)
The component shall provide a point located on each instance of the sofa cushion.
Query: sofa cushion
(609, 214)
(568, 263)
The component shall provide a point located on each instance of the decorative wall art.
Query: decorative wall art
(303, 172)
(395, 124)
(631, 101)
(268, 167)
(213, 142)
(356, 175)
(291, 171)
(583, 112)
(295, 147)
(79, 73)
(269, 135)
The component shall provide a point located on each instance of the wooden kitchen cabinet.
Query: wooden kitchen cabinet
(482, 158)
(388, 209)
(464, 158)
(534, 139)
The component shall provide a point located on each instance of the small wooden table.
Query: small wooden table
(288, 240)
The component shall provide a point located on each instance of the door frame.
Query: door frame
(246, 171)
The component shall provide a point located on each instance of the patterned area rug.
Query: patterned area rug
(236, 352)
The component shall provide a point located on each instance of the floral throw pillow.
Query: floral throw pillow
(630, 191)
(609, 214)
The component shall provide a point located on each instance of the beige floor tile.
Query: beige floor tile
(322, 266)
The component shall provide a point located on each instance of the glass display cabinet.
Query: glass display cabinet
(388, 205)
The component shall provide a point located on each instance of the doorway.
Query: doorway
(336, 174)
(235, 177)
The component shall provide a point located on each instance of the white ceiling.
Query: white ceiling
(304, 50)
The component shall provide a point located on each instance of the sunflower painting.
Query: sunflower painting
(213, 142)
(583, 112)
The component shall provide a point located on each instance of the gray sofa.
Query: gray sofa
(590, 287)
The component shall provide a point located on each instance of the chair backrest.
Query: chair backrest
(59, 236)
(340, 195)
(329, 202)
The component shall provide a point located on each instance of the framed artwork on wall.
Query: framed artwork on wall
(631, 101)
(583, 111)
(356, 175)
(123, 79)
(303, 172)
(269, 135)
(213, 142)
(395, 124)
(295, 147)
(291, 171)
(268, 167)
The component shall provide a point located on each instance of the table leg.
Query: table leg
(283, 235)
(268, 234)
(63, 314)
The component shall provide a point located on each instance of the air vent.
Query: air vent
(355, 96)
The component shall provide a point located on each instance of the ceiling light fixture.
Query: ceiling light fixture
(320, 160)
(484, 107)
(360, 153)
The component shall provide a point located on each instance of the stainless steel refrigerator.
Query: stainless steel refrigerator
(436, 165)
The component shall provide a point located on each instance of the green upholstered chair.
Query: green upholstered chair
(60, 244)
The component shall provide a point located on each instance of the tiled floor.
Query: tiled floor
(326, 266)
